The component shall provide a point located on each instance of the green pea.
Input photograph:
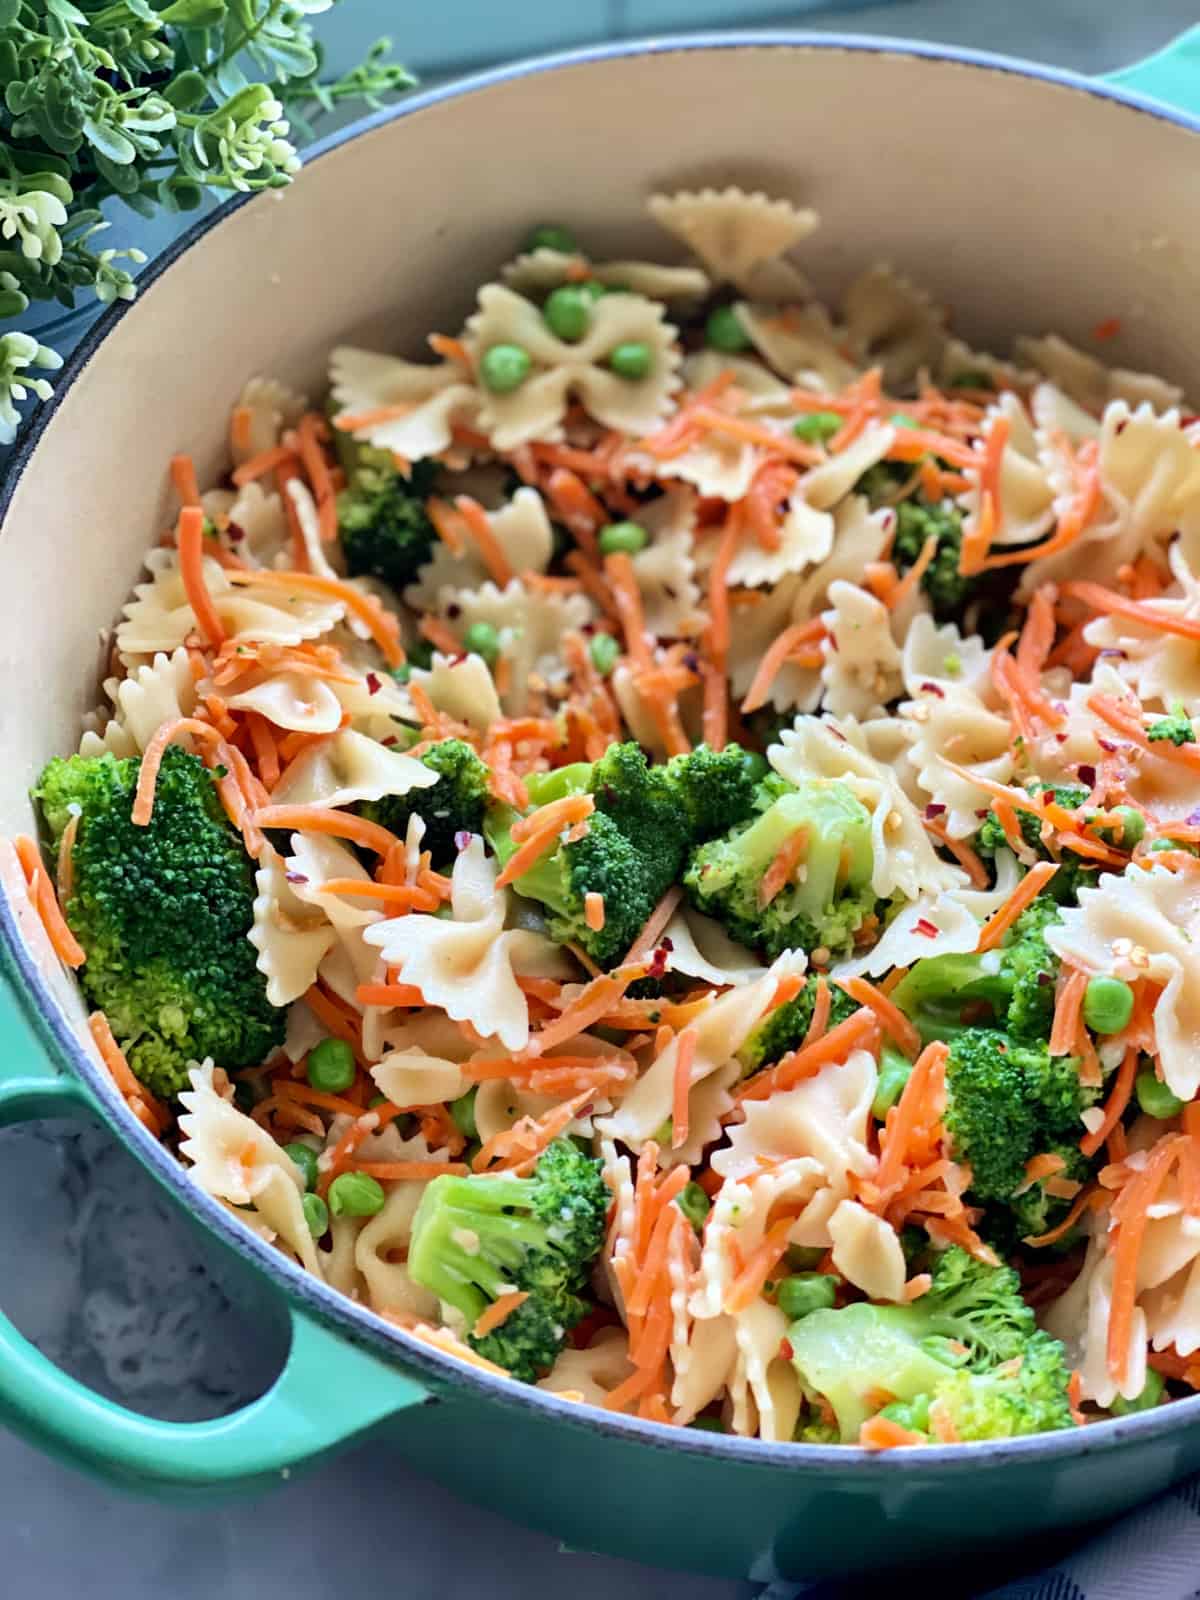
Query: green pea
(1133, 826)
(1160, 845)
(724, 330)
(552, 236)
(481, 639)
(1150, 1395)
(694, 1204)
(463, 1112)
(316, 1214)
(592, 290)
(567, 312)
(629, 537)
(818, 427)
(306, 1160)
(604, 651)
(912, 1414)
(331, 1066)
(894, 1072)
(355, 1194)
(1155, 1099)
(806, 1292)
(504, 368)
(632, 360)
(804, 1257)
(1107, 1004)
(899, 420)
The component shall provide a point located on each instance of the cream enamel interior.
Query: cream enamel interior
(1024, 205)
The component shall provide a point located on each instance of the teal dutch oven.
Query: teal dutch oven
(1027, 200)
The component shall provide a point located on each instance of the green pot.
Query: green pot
(273, 283)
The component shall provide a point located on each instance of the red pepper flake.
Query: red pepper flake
(936, 809)
(1107, 745)
(295, 877)
(929, 929)
(785, 1349)
(462, 839)
(1108, 329)
(235, 532)
(391, 739)
(1087, 775)
(372, 683)
(933, 688)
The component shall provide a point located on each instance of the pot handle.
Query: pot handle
(328, 1392)
(1171, 75)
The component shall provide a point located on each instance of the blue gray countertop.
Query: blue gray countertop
(104, 1279)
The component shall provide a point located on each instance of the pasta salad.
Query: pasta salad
(658, 847)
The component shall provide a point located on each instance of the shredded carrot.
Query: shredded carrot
(266, 755)
(748, 1284)
(593, 911)
(479, 525)
(627, 596)
(912, 1108)
(41, 893)
(856, 1033)
(165, 734)
(961, 851)
(908, 583)
(1127, 721)
(357, 421)
(684, 1058)
(881, 1433)
(499, 1312)
(410, 1171)
(258, 466)
(183, 477)
(409, 896)
(1067, 1011)
(389, 994)
(783, 865)
(819, 1021)
(1030, 886)
(384, 628)
(1115, 1105)
(893, 1021)
(133, 1090)
(557, 814)
(593, 1001)
(325, 819)
(578, 508)
(311, 431)
(288, 1089)
(1131, 1211)
(773, 660)
(655, 923)
(190, 540)
(756, 433)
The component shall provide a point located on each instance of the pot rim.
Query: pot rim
(357, 1323)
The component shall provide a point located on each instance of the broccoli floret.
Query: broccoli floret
(475, 1239)
(1007, 1102)
(972, 1322)
(716, 789)
(630, 855)
(454, 804)
(946, 587)
(785, 1027)
(1177, 727)
(162, 913)
(1023, 1396)
(826, 901)
(382, 522)
(943, 994)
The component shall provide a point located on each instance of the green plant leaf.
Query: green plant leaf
(124, 179)
(110, 143)
(194, 13)
(187, 91)
(10, 10)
